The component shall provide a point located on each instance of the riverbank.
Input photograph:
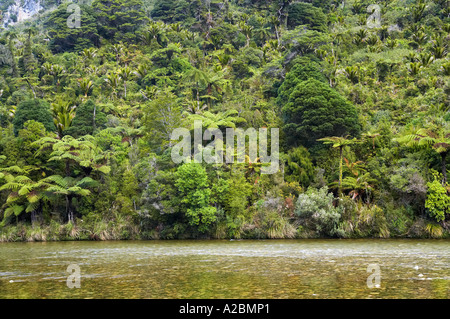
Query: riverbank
(124, 230)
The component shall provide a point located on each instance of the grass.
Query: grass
(434, 230)
(114, 229)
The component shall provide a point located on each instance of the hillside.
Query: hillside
(359, 90)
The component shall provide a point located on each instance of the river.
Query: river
(273, 269)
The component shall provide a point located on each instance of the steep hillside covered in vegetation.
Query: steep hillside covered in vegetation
(360, 91)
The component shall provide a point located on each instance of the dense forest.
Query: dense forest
(360, 92)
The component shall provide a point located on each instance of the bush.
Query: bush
(438, 202)
(315, 208)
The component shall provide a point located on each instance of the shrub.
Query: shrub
(315, 208)
(438, 202)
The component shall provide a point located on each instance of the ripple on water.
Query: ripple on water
(208, 269)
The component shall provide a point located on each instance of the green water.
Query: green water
(227, 269)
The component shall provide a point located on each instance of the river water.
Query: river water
(274, 269)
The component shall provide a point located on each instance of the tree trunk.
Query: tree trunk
(33, 217)
(93, 118)
(67, 168)
(278, 37)
(444, 168)
(341, 149)
(198, 98)
(68, 209)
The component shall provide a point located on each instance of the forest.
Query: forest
(359, 90)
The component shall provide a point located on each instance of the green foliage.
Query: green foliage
(301, 13)
(88, 119)
(299, 167)
(238, 194)
(173, 11)
(302, 70)
(37, 110)
(315, 208)
(118, 19)
(65, 39)
(438, 201)
(314, 111)
(192, 183)
(121, 83)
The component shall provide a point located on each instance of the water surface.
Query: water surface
(272, 269)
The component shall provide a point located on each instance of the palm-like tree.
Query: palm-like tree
(72, 151)
(215, 80)
(436, 137)
(70, 188)
(358, 185)
(439, 48)
(118, 50)
(88, 55)
(426, 59)
(371, 136)
(340, 143)
(141, 71)
(198, 77)
(246, 30)
(63, 113)
(125, 74)
(54, 70)
(420, 37)
(155, 32)
(193, 108)
(418, 10)
(352, 73)
(276, 23)
(219, 120)
(414, 68)
(25, 194)
(113, 80)
(86, 86)
(360, 36)
(223, 58)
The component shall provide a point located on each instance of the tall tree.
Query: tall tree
(63, 114)
(118, 19)
(70, 188)
(88, 119)
(197, 77)
(340, 143)
(314, 111)
(192, 183)
(35, 109)
(11, 35)
(64, 38)
(28, 61)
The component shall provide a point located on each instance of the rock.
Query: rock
(18, 11)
